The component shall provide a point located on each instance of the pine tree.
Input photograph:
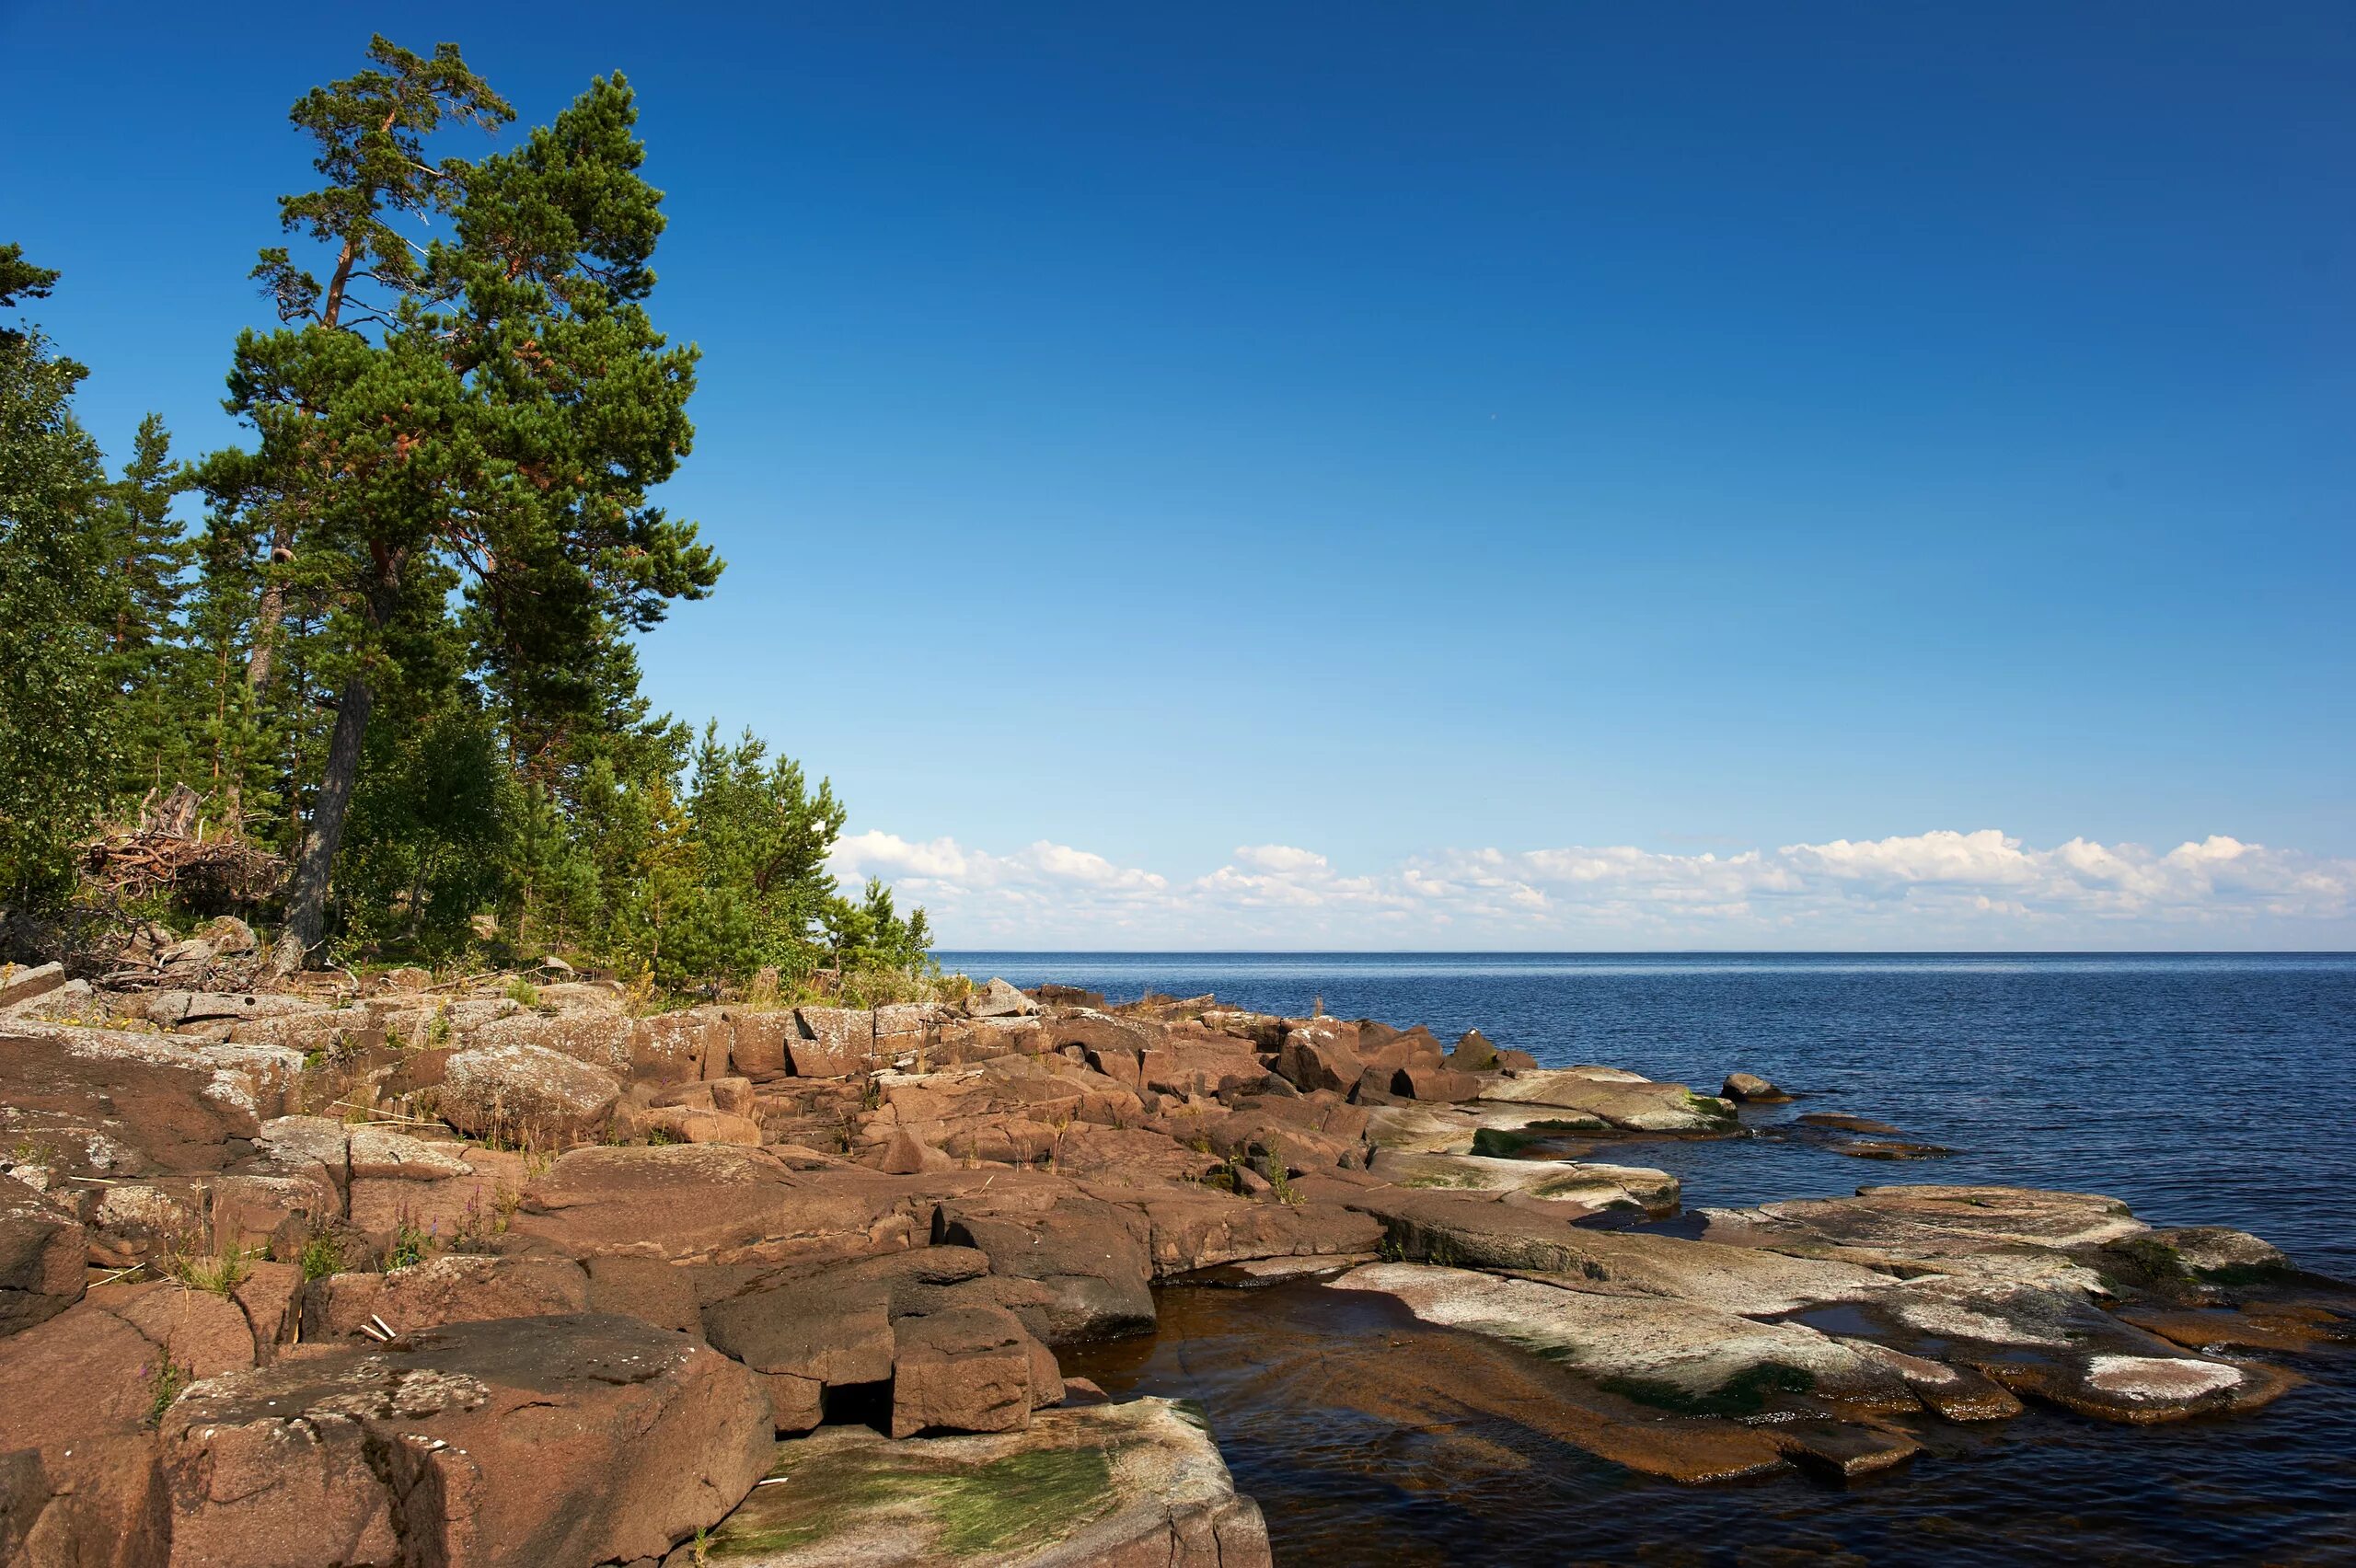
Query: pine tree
(146, 557)
(499, 430)
(58, 746)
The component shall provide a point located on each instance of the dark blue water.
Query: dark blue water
(2202, 1090)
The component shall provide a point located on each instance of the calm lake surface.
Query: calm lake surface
(2200, 1090)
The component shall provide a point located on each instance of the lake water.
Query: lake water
(2200, 1090)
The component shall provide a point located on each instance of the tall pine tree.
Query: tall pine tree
(494, 422)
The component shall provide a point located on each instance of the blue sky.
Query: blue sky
(1200, 445)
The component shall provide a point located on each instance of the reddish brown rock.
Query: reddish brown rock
(522, 1442)
(252, 1212)
(1200, 1229)
(167, 1105)
(200, 1333)
(19, 984)
(812, 1327)
(648, 1290)
(454, 1288)
(79, 1482)
(41, 1248)
(523, 1092)
(1418, 1081)
(967, 1369)
(597, 1036)
(1092, 1256)
(714, 1203)
(674, 1047)
(834, 1042)
(758, 1043)
(270, 1296)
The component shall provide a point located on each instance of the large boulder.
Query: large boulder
(1190, 1229)
(968, 1368)
(152, 1104)
(1092, 1256)
(715, 1203)
(523, 1442)
(20, 983)
(41, 1249)
(998, 999)
(525, 1092)
(78, 1481)
(453, 1288)
(810, 1329)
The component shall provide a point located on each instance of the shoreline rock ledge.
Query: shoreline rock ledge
(499, 1277)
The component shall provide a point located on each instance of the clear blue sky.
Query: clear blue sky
(1395, 430)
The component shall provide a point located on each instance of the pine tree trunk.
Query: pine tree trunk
(306, 900)
(270, 612)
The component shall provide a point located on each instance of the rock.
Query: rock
(1473, 1052)
(306, 1145)
(379, 1151)
(1590, 1186)
(271, 1296)
(680, 1047)
(1199, 1228)
(810, 1329)
(78, 1481)
(453, 1288)
(1091, 1255)
(834, 1042)
(175, 1009)
(525, 1442)
(1478, 1231)
(905, 1156)
(2142, 1389)
(230, 937)
(2215, 1254)
(250, 1212)
(1429, 1083)
(1621, 1099)
(648, 1290)
(521, 1091)
(714, 1203)
(1942, 1224)
(41, 1248)
(1661, 1350)
(168, 1105)
(759, 1040)
(203, 1333)
(1749, 1088)
(406, 978)
(589, 1035)
(966, 1369)
(19, 985)
(998, 999)
(1137, 1482)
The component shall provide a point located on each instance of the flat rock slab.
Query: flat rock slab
(1621, 1098)
(713, 1202)
(520, 1443)
(1140, 1482)
(1590, 1186)
(1933, 1223)
(1679, 1353)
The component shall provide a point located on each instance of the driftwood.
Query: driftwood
(169, 850)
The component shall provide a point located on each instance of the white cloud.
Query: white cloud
(1940, 888)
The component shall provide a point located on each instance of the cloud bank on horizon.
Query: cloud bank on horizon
(1940, 889)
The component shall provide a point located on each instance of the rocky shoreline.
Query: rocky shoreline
(499, 1273)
